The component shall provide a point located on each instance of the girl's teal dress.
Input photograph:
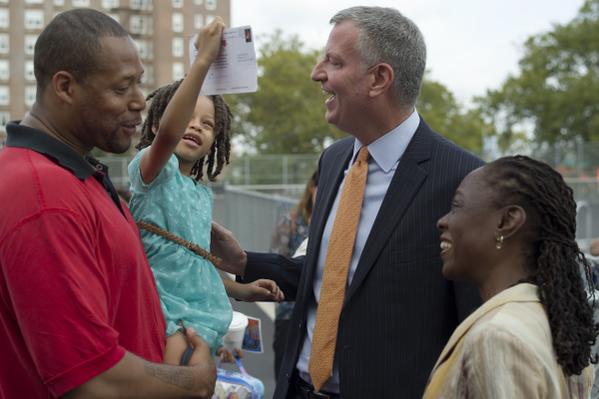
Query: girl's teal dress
(189, 286)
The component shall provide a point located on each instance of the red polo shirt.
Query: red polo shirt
(76, 290)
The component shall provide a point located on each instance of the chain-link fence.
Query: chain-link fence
(285, 176)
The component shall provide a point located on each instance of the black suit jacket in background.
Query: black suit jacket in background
(399, 311)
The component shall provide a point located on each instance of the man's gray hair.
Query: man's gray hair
(385, 35)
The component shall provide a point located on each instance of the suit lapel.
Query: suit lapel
(404, 186)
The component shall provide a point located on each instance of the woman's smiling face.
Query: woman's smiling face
(468, 229)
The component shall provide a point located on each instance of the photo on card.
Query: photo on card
(252, 340)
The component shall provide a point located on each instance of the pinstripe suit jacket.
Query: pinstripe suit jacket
(399, 311)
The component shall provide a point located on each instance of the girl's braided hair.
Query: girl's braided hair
(221, 148)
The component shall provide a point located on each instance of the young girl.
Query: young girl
(184, 137)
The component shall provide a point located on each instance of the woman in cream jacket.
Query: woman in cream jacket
(511, 230)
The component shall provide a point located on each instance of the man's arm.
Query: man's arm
(224, 245)
(286, 272)
(134, 377)
(253, 266)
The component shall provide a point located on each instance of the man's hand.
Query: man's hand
(201, 350)
(224, 245)
(134, 377)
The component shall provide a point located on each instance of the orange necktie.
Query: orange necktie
(334, 280)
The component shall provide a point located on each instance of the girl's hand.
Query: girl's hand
(262, 290)
(209, 40)
(225, 355)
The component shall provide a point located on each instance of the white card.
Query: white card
(235, 70)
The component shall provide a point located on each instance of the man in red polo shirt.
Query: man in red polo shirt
(79, 312)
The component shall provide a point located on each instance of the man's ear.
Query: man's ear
(63, 85)
(511, 220)
(381, 79)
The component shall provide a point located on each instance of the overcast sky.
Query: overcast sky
(472, 44)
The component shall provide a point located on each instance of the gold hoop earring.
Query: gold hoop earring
(499, 242)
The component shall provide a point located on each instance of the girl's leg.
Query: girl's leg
(175, 346)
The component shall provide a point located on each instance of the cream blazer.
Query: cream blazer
(504, 351)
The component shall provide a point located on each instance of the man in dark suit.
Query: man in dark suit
(398, 311)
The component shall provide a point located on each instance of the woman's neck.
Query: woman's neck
(503, 276)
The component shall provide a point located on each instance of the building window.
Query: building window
(59, 2)
(141, 24)
(29, 75)
(141, 4)
(210, 4)
(80, 3)
(146, 49)
(34, 19)
(4, 43)
(177, 22)
(178, 47)
(4, 119)
(198, 21)
(177, 3)
(4, 70)
(209, 18)
(34, 1)
(29, 95)
(198, 2)
(30, 44)
(148, 76)
(178, 70)
(4, 95)
(4, 18)
(110, 4)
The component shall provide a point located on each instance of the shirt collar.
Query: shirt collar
(388, 149)
(26, 137)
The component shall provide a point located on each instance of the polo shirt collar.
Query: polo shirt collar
(38, 141)
(82, 167)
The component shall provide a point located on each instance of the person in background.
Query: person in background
(79, 313)
(289, 234)
(594, 248)
(511, 231)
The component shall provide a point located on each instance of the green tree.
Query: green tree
(286, 114)
(555, 96)
(442, 112)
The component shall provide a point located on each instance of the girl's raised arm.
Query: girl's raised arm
(178, 112)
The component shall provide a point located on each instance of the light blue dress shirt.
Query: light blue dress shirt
(385, 154)
(189, 286)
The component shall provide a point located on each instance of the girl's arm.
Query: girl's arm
(178, 112)
(259, 290)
